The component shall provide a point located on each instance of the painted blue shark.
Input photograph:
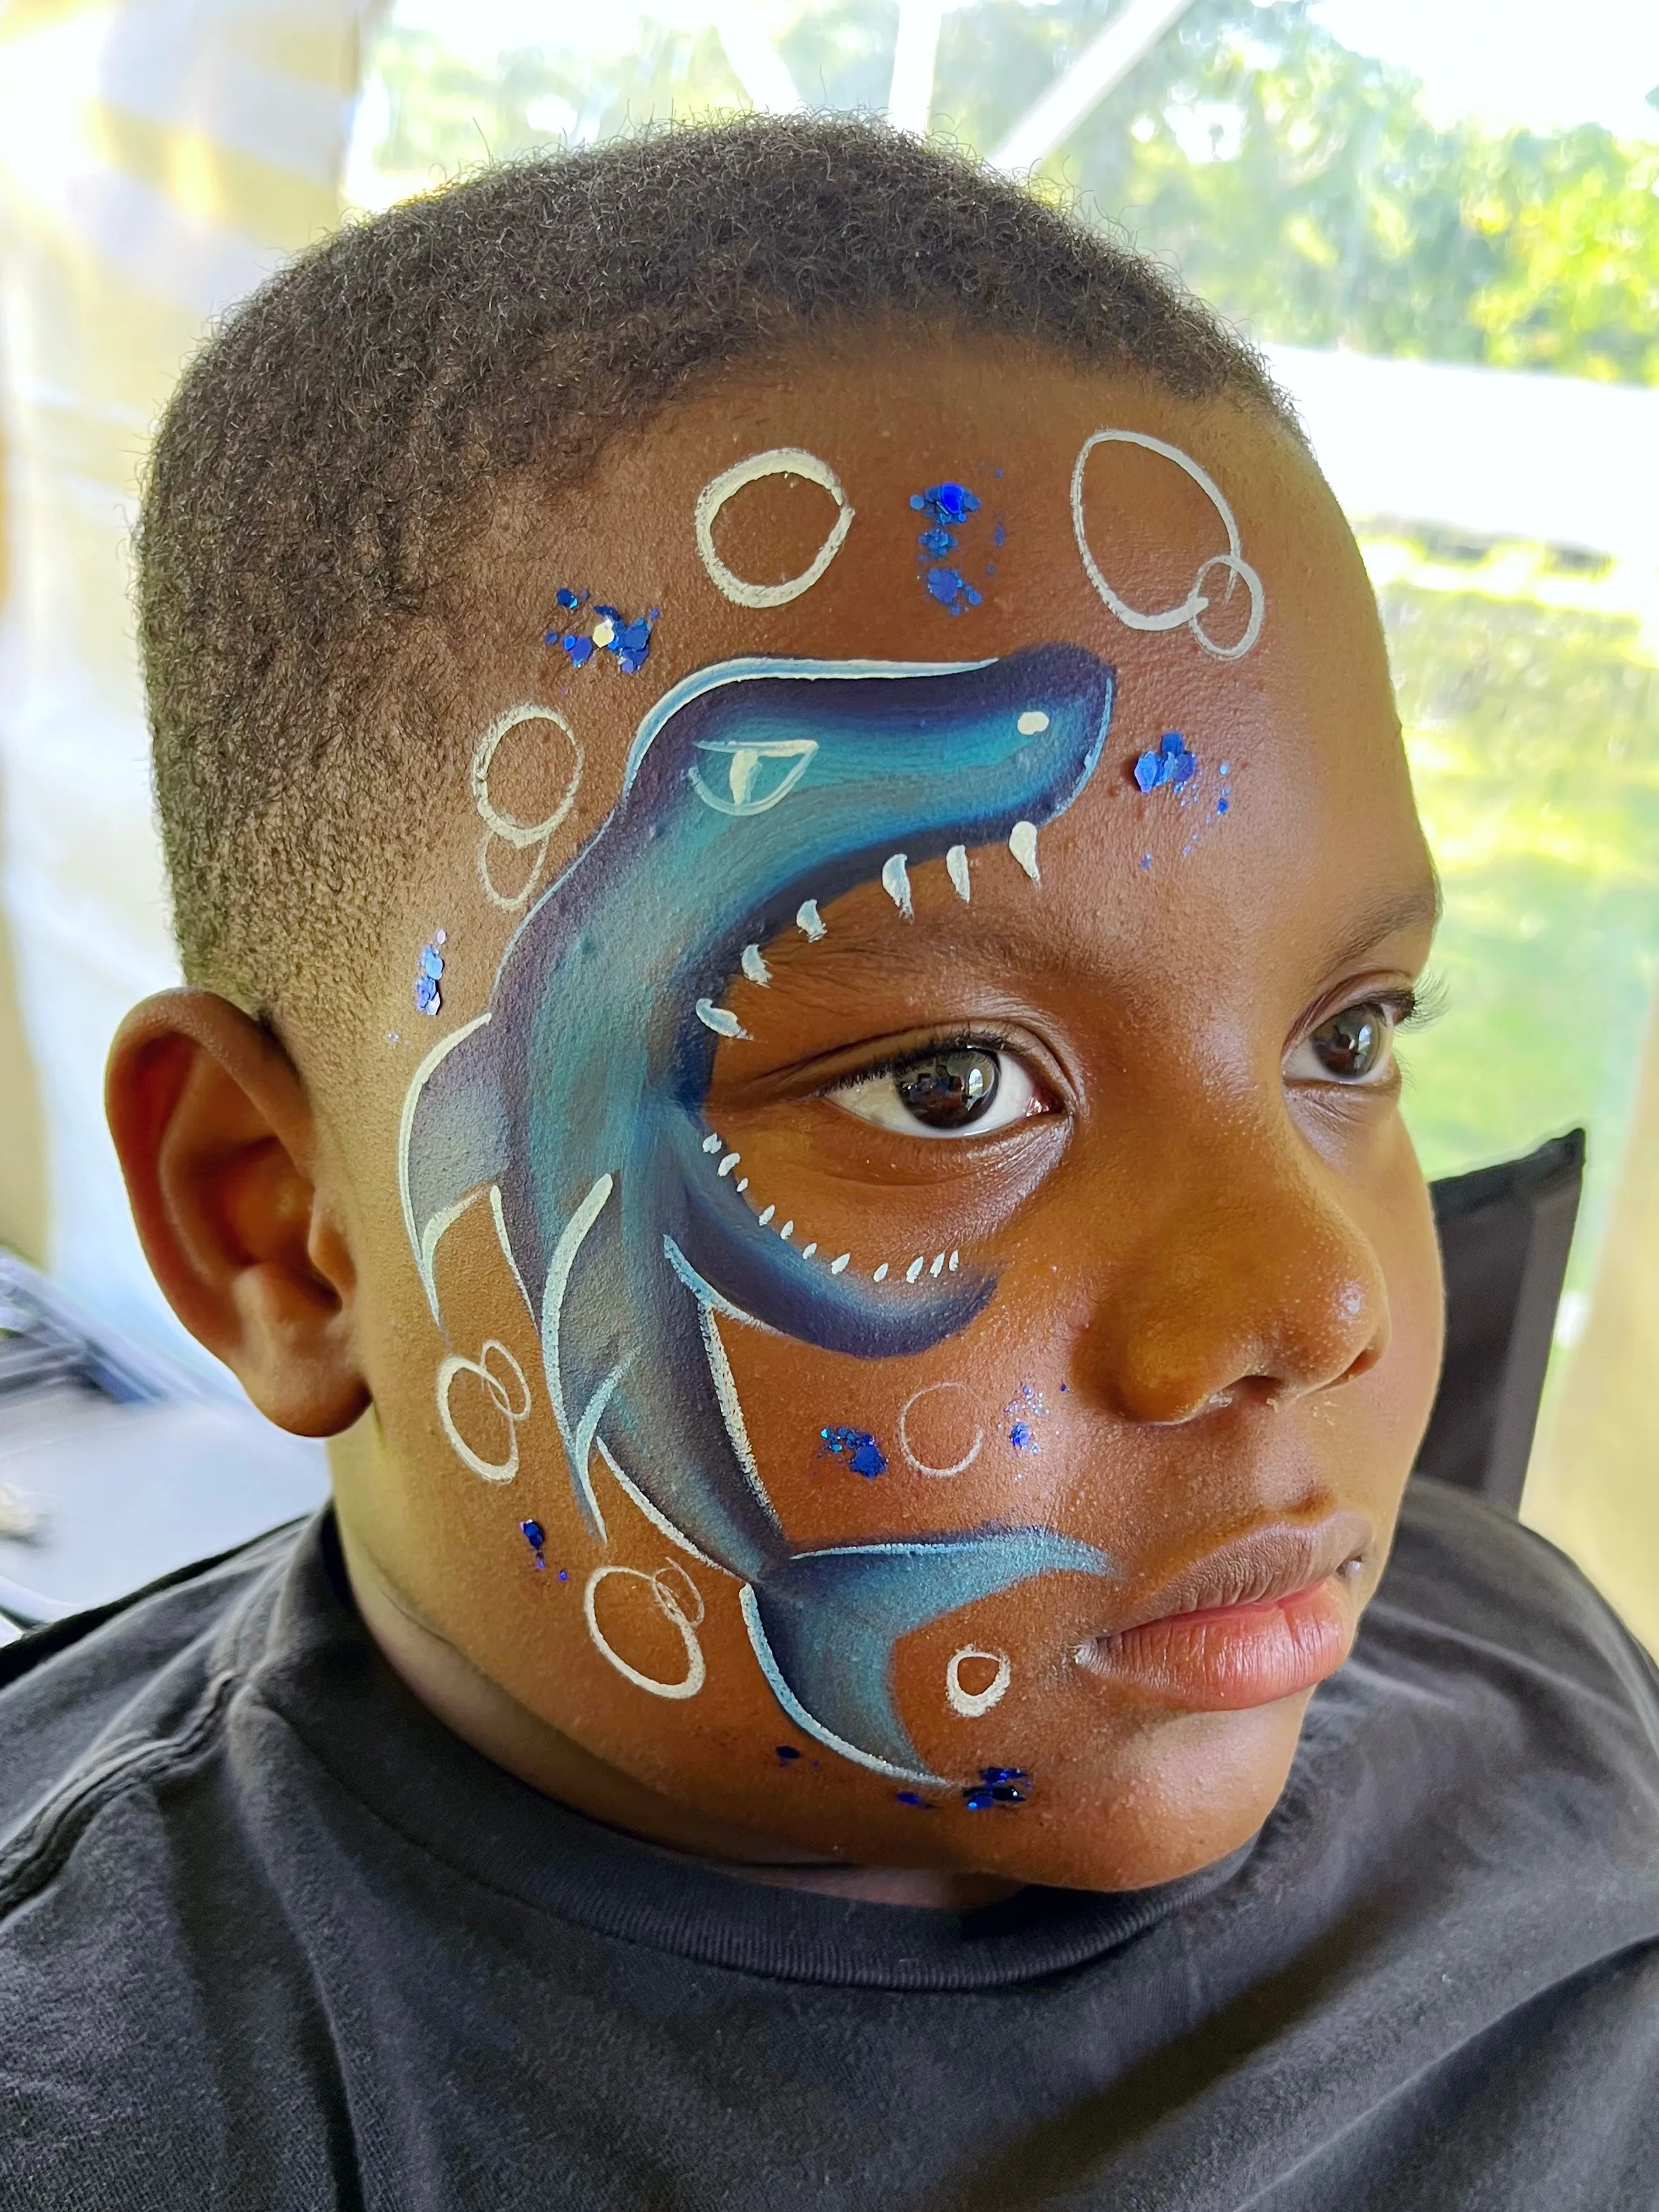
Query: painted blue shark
(756, 791)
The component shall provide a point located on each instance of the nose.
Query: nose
(1253, 1276)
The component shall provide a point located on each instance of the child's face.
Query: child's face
(925, 1236)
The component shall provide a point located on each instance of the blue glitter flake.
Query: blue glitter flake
(911, 1797)
(949, 504)
(627, 640)
(856, 1446)
(997, 1785)
(952, 589)
(429, 998)
(535, 1536)
(1021, 1412)
(1171, 763)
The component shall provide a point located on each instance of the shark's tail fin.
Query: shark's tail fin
(825, 1625)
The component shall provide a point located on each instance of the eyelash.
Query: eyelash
(1414, 1007)
(931, 1048)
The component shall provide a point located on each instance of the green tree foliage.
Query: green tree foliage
(1299, 186)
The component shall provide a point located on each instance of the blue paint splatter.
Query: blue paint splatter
(535, 1536)
(997, 1785)
(913, 1797)
(788, 1754)
(1022, 1439)
(1169, 763)
(937, 541)
(429, 998)
(856, 1446)
(610, 630)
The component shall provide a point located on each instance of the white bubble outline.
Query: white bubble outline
(776, 461)
(1186, 615)
(522, 835)
(971, 1703)
(668, 1604)
(939, 1474)
(490, 1470)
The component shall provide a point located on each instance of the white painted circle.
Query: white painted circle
(522, 833)
(1033, 722)
(970, 1704)
(779, 461)
(668, 1604)
(499, 1470)
(921, 1467)
(1186, 615)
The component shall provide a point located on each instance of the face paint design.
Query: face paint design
(757, 792)
(779, 461)
(1189, 615)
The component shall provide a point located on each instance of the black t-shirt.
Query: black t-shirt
(272, 1937)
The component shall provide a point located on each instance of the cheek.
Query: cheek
(966, 1433)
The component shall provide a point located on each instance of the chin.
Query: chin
(1181, 1793)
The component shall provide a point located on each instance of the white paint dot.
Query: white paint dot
(1033, 722)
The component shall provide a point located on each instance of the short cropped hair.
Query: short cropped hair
(348, 430)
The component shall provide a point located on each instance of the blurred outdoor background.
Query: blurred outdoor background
(1441, 217)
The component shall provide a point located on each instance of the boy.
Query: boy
(798, 876)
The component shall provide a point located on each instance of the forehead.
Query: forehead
(1320, 817)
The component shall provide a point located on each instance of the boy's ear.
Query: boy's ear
(217, 1141)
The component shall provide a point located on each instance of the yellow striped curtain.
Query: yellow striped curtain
(156, 159)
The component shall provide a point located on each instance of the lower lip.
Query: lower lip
(1226, 1658)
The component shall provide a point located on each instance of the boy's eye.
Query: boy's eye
(967, 1091)
(1356, 1046)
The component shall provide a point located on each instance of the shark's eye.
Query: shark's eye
(962, 1090)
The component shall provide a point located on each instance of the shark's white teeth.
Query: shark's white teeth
(808, 918)
(895, 882)
(956, 866)
(729, 1163)
(717, 1018)
(880, 1275)
(711, 1143)
(787, 1231)
(915, 1267)
(956, 1258)
(937, 1268)
(807, 1250)
(742, 1182)
(1022, 843)
(838, 1266)
(754, 967)
(767, 1215)
(1032, 723)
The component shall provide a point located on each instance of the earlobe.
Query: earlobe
(217, 1142)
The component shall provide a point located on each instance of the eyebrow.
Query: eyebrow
(1420, 907)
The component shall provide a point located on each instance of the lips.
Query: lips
(1265, 1617)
